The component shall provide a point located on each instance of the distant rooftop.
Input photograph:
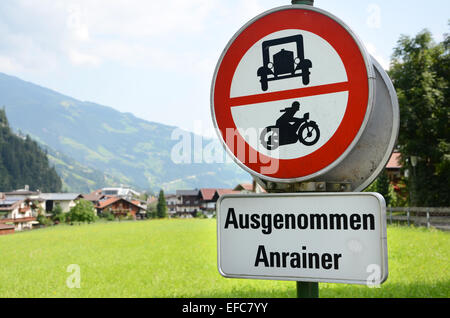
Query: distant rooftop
(8, 204)
(394, 161)
(188, 192)
(208, 193)
(21, 192)
(10, 201)
(15, 197)
(59, 196)
(221, 192)
(121, 191)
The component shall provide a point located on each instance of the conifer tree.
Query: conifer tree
(22, 162)
(161, 207)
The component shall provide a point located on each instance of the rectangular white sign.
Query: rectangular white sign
(311, 237)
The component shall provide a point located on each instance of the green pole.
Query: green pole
(306, 289)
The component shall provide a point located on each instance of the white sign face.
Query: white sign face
(326, 108)
(317, 237)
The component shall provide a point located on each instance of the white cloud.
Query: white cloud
(8, 65)
(137, 18)
(78, 58)
(85, 32)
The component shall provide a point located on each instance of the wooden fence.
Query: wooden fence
(421, 216)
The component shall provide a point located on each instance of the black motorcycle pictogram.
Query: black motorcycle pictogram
(284, 64)
(289, 129)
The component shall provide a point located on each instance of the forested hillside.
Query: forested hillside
(22, 162)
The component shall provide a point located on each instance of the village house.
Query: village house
(393, 167)
(17, 213)
(207, 204)
(171, 203)
(65, 200)
(121, 207)
(188, 203)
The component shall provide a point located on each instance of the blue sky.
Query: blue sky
(156, 59)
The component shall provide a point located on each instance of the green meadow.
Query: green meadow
(177, 258)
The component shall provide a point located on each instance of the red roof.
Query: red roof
(394, 161)
(105, 203)
(207, 193)
(108, 202)
(136, 202)
(93, 196)
(226, 191)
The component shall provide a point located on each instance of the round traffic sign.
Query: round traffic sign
(292, 93)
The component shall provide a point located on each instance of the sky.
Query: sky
(156, 59)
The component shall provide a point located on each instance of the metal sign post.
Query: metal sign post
(307, 2)
(307, 289)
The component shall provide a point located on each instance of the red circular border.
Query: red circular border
(347, 48)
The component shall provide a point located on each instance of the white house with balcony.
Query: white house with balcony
(17, 212)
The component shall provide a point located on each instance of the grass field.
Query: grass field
(177, 258)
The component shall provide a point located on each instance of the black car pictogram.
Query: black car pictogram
(285, 63)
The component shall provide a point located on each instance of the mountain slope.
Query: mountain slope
(130, 149)
(79, 178)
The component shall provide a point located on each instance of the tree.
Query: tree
(382, 186)
(161, 207)
(58, 215)
(151, 211)
(83, 211)
(420, 71)
(41, 217)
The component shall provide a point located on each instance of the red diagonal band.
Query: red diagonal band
(292, 93)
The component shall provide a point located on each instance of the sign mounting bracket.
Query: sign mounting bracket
(308, 186)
